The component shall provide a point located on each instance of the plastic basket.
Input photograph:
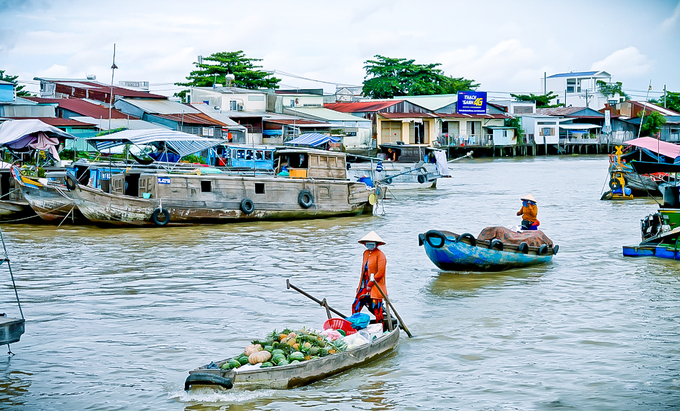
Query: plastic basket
(339, 324)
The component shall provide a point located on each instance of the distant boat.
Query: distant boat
(415, 166)
(496, 249)
(660, 231)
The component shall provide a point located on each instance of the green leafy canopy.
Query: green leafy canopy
(671, 100)
(609, 90)
(542, 101)
(214, 68)
(651, 124)
(388, 77)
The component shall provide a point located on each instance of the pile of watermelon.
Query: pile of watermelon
(286, 347)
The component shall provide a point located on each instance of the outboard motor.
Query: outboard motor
(653, 225)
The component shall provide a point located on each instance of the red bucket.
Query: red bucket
(339, 324)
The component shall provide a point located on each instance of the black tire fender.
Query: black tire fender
(247, 206)
(614, 184)
(207, 379)
(607, 196)
(467, 236)
(388, 181)
(523, 248)
(70, 182)
(496, 244)
(160, 221)
(543, 249)
(435, 234)
(305, 199)
(421, 240)
(422, 178)
(556, 248)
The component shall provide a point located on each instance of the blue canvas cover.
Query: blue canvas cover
(312, 140)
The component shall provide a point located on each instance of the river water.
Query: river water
(117, 317)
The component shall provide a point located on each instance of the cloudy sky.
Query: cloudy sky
(505, 46)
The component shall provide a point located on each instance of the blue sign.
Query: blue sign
(379, 167)
(472, 102)
(163, 180)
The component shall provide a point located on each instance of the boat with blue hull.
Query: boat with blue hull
(660, 231)
(495, 249)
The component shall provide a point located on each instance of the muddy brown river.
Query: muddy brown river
(117, 317)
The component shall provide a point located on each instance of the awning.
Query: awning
(182, 143)
(312, 140)
(579, 126)
(13, 130)
(657, 146)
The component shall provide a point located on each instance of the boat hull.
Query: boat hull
(51, 203)
(455, 255)
(658, 251)
(306, 372)
(11, 330)
(224, 204)
(407, 176)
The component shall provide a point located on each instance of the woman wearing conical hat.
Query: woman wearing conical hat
(372, 272)
(529, 212)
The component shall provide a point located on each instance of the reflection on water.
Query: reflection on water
(117, 317)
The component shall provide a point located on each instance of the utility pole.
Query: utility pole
(587, 99)
(664, 96)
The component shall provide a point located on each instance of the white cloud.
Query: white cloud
(627, 63)
(670, 22)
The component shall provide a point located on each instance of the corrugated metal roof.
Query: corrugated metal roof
(459, 115)
(106, 124)
(189, 118)
(312, 140)
(161, 106)
(16, 129)
(6, 82)
(103, 88)
(217, 115)
(82, 107)
(299, 122)
(325, 114)
(56, 121)
(432, 102)
(408, 115)
(578, 74)
(361, 106)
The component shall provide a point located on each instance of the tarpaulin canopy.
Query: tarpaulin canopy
(182, 143)
(579, 126)
(657, 146)
(312, 140)
(13, 130)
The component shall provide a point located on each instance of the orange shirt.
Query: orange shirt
(529, 212)
(376, 266)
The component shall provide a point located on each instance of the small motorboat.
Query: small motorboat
(660, 231)
(495, 249)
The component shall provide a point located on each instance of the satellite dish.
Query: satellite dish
(217, 108)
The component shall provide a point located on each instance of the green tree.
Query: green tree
(388, 77)
(609, 90)
(516, 123)
(542, 101)
(651, 123)
(671, 99)
(13, 79)
(214, 68)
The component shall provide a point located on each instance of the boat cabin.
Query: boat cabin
(407, 153)
(251, 158)
(307, 163)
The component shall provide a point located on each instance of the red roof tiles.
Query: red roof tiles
(361, 106)
(82, 107)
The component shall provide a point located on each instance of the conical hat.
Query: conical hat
(528, 197)
(372, 237)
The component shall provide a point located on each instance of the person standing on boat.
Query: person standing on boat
(372, 273)
(529, 212)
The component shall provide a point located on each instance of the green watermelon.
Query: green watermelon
(278, 351)
(233, 363)
(295, 362)
(268, 348)
(283, 362)
(297, 355)
(277, 358)
(266, 364)
(243, 360)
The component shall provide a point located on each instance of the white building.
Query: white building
(230, 98)
(579, 89)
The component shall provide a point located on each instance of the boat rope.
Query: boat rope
(67, 214)
(14, 285)
(12, 191)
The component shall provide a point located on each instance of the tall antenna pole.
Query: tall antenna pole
(644, 107)
(113, 68)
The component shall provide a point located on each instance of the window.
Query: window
(232, 105)
(523, 109)
(547, 131)
(259, 188)
(571, 85)
(206, 186)
(445, 127)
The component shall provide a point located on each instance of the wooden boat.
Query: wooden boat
(660, 231)
(13, 204)
(416, 166)
(293, 375)
(48, 197)
(316, 187)
(453, 252)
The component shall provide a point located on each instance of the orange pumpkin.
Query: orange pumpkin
(252, 348)
(259, 357)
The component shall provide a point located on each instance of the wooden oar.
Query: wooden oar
(375, 284)
(321, 303)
